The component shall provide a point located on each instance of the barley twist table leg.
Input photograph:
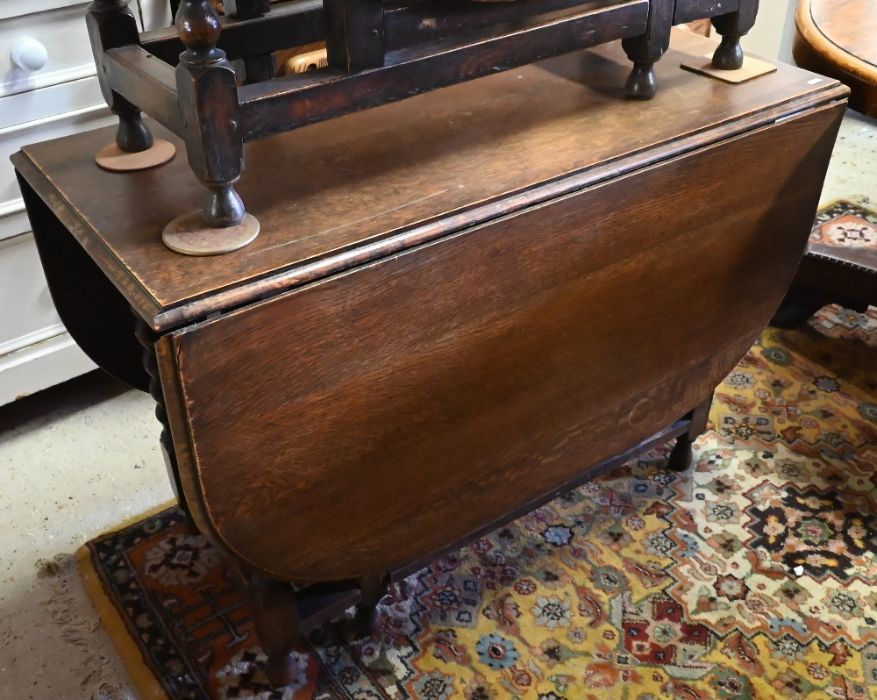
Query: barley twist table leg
(146, 337)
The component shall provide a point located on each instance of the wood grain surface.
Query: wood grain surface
(365, 420)
(329, 196)
(850, 24)
(839, 38)
(690, 10)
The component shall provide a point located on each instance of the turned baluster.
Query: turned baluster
(732, 27)
(646, 49)
(111, 24)
(210, 114)
(146, 337)
(209, 104)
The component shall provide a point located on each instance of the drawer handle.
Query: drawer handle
(29, 54)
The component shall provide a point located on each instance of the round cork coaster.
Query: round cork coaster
(114, 159)
(189, 235)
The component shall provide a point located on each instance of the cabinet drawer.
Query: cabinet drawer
(27, 314)
(12, 218)
(63, 34)
(36, 351)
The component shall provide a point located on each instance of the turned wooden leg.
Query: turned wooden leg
(732, 27)
(277, 626)
(208, 99)
(146, 337)
(111, 24)
(641, 83)
(373, 588)
(207, 96)
(681, 454)
(646, 49)
(132, 134)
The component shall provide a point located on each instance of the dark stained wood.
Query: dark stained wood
(658, 439)
(731, 27)
(138, 75)
(210, 112)
(837, 38)
(368, 65)
(300, 99)
(372, 588)
(430, 339)
(246, 9)
(354, 33)
(448, 18)
(689, 10)
(258, 67)
(851, 274)
(647, 48)
(504, 375)
(147, 340)
(277, 623)
(289, 24)
(680, 457)
(112, 24)
(564, 113)
(302, 22)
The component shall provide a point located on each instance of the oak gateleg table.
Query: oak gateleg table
(460, 305)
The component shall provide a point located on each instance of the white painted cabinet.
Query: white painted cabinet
(48, 89)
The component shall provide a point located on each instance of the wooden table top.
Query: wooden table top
(850, 25)
(361, 187)
(839, 37)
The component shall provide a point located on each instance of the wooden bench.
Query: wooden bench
(379, 51)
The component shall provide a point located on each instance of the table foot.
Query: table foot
(681, 456)
(729, 53)
(732, 27)
(642, 83)
(277, 626)
(372, 588)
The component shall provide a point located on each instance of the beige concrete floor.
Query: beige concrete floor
(852, 174)
(77, 459)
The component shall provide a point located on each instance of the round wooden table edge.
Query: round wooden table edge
(830, 51)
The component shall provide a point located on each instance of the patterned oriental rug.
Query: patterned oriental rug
(753, 575)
